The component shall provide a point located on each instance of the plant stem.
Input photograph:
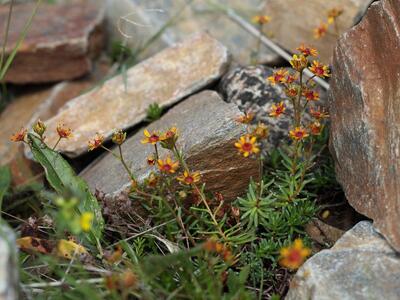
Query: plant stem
(56, 144)
(7, 29)
(124, 163)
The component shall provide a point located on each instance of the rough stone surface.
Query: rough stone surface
(293, 21)
(248, 88)
(187, 18)
(8, 264)
(365, 115)
(32, 104)
(207, 135)
(165, 78)
(60, 42)
(361, 265)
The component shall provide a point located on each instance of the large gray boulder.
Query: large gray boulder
(361, 265)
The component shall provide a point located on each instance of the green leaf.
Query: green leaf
(65, 182)
(5, 181)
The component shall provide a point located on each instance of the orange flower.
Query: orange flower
(261, 20)
(96, 142)
(311, 95)
(307, 51)
(298, 134)
(189, 178)
(333, 14)
(247, 145)
(151, 138)
(319, 69)
(167, 165)
(292, 91)
(293, 257)
(64, 132)
(277, 110)
(169, 138)
(19, 136)
(246, 118)
(151, 160)
(261, 131)
(319, 113)
(316, 128)
(278, 76)
(213, 246)
(320, 31)
(299, 62)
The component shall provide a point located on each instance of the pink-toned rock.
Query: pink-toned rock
(60, 42)
(365, 111)
(122, 101)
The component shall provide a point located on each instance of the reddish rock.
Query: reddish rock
(60, 43)
(365, 112)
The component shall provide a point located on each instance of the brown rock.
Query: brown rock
(293, 22)
(166, 78)
(365, 113)
(323, 233)
(207, 135)
(60, 42)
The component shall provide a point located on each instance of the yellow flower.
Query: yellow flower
(292, 91)
(151, 160)
(261, 131)
(167, 165)
(277, 110)
(119, 137)
(293, 257)
(86, 221)
(278, 76)
(319, 69)
(19, 136)
(307, 51)
(96, 142)
(316, 128)
(189, 178)
(261, 20)
(64, 132)
(247, 145)
(152, 180)
(333, 14)
(151, 138)
(320, 31)
(246, 118)
(298, 134)
(311, 95)
(39, 128)
(169, 138)
(299, 62)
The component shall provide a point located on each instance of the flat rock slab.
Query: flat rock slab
(361, 265)
(208, 131)
(165, 78)
(293, 22)
(365, 116)
(184, 18)
(60, 42)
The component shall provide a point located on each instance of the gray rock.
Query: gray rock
(208, 131)
(8, 264)
(361, 265)
(122, 102)
(250, 90)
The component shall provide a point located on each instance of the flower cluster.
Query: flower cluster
(168, 165)
(332, 16)
(213, 246)
(301, 92)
